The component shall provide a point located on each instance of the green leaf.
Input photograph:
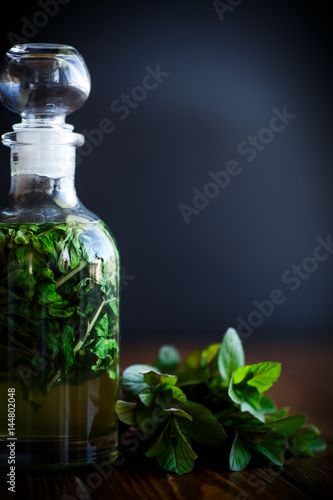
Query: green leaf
(168, 359)
(126, 412)
(153, 377)
(247, 397)
(288, 425)
(178, 412)
(234, 394)
(47, 293)
(160, 443)
(193, 360)
(240, 455)
(306, 440)
(46, 274)
(271, 450)
(47, 244)
(148, 418)
(173, 451)
(251, 428)
(251, 396)
(193, 376)
(2, 239)
(277, 415)
(208, 354)
(260, 375)
(241, 419)
(132, 379)
(175, 392)
(231, 354)
(60, 309)
(318, 444)
(104, 348)
(67, 340)
(245, 406)
(113, 305)
(22, 237)
(255, 437)
(205, 428)
(102, 326)
(267, 405)
(147, 395)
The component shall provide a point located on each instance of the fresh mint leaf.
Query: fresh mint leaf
(175, 392)
(247, 397)
(147, 395)
(161, 442)
(267, 405)
(195, 404)
(231, 354)
(153, 377)
(168, 359)
(152, 419)
(288, 425)
(258, 436)
(208, 354)
(251, 396)
(319, 444)
(126, 412)
(133, 380)
(260, 375)
(175, 453)
(241, 419)
(235, 394)
(204, 428)
(245, 406)
(178, 412)
(193, 360)
(251, 428)
(271, 450)
(305, 440)
(193, 376)
(277, 415)
(240, 455)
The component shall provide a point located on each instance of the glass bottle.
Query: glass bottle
(59, 277)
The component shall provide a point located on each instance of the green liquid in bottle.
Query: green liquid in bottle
(59, 340)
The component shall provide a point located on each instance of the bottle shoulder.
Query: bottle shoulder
(44, 213)
(66, 237)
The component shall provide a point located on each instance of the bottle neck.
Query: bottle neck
(32, 186)
(42, 168)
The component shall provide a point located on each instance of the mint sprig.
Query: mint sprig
(212, 400)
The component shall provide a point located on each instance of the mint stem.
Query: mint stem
(66, 277)
(91, 325)
(80, 342)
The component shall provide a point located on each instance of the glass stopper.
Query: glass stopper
(43, 82)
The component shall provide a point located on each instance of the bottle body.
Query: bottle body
(59, 340)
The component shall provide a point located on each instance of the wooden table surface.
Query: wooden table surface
(305, 385)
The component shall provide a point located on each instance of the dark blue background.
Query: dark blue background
(194, 280)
